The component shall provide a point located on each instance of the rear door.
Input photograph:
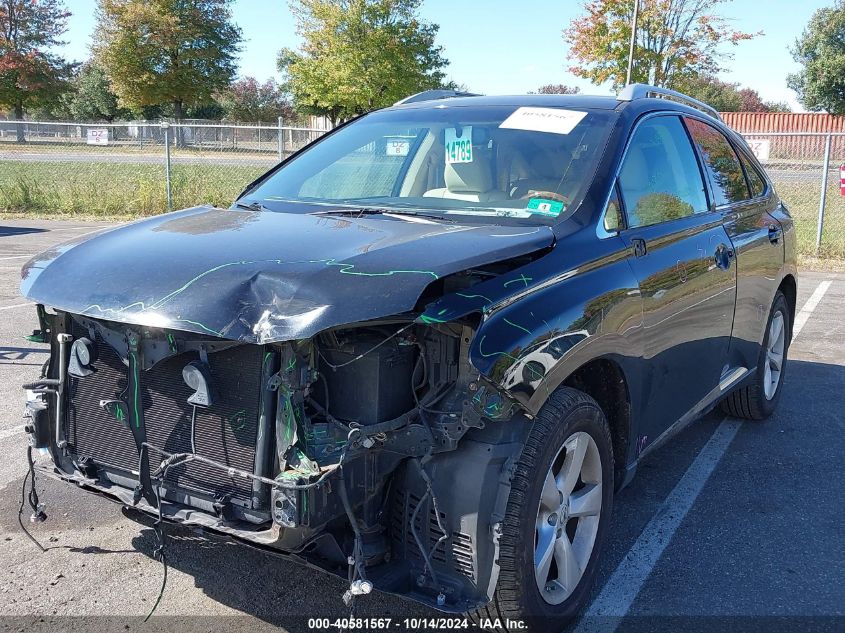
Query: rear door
(683, 260)
(741, 192)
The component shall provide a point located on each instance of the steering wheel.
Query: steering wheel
(548, 195)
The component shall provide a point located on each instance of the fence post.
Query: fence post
(165, 126)
(281, 141)
(823, 197)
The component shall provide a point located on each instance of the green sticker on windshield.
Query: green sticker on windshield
(541, 206)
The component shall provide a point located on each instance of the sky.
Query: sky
(508, 46)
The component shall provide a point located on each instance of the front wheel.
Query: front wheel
(557, 515)
(759, 398)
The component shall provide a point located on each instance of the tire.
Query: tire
(752, 402)
(570, 417)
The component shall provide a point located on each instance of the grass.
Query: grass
(115, 190)
(802, 200)
(130, 190)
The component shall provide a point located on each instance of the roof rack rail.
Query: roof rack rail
(632, 92)
(431, 95)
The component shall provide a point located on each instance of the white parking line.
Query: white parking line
(16, 257)
(618, 594)
(17, 305)
(808, 308)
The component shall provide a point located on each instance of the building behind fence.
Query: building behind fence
(142, 167)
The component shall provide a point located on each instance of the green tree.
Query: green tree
(30, 74)
(820, 84)
(177, 52)
(248, 100)
(91, 97)
(358, 55)
(676, 40)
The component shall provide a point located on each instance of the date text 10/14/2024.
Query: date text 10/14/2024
(413, 624)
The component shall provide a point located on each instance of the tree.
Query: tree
(676, 40)
(728, 97)
(558, 89)
(30, 74)
(91, 97)
(358, 55)
(820, 84)
(178, 52)
(248, 100)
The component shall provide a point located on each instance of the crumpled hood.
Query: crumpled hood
(264, 276)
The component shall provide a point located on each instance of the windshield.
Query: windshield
(488, 161)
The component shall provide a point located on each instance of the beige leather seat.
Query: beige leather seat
(472, 182)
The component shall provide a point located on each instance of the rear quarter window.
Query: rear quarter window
(756, 182)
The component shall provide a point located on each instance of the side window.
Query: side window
(755, 180)
(660, 179)
(721, 163)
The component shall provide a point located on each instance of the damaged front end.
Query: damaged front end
(375, 445)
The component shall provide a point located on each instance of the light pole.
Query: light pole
(633, 42)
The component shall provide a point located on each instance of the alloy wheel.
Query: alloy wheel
(774, 355)
(568, 517)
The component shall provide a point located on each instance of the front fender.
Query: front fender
(544, 320)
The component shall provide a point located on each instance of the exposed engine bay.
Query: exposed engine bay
(375, 451)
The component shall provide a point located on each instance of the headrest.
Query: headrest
(474, 177)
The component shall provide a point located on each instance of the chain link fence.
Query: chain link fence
(136, 168)
(805, 169)
(140, 168)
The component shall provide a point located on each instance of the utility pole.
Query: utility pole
(633, 42)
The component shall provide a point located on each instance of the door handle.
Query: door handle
(639, 245)
(774, 233)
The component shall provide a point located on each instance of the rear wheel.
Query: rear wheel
(758, 399)
(557, 515)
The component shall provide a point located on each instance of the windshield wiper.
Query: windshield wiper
(360, 212)
(252, 206)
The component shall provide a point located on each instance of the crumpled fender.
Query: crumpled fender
(543, 320)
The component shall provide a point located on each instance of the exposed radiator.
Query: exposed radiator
(225, 432)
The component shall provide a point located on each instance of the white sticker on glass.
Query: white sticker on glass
(459, 148)
(398, 148)
(552, 120)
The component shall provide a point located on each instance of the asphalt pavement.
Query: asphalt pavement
(730, 526)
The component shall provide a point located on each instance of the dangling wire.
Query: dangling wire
(32, 498)
(159, 552)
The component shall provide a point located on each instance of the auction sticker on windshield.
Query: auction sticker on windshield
(459, 148)
(552, 120)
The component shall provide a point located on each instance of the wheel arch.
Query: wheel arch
(604, 380)
(789, 288)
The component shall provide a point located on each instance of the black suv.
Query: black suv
(427, 349)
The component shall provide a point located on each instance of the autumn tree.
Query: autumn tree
(558, 89)
(30, 73)
(178, 52)
(676, 40)
(820, 84)
(727, 96)
(248, 100)
(357, 55)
